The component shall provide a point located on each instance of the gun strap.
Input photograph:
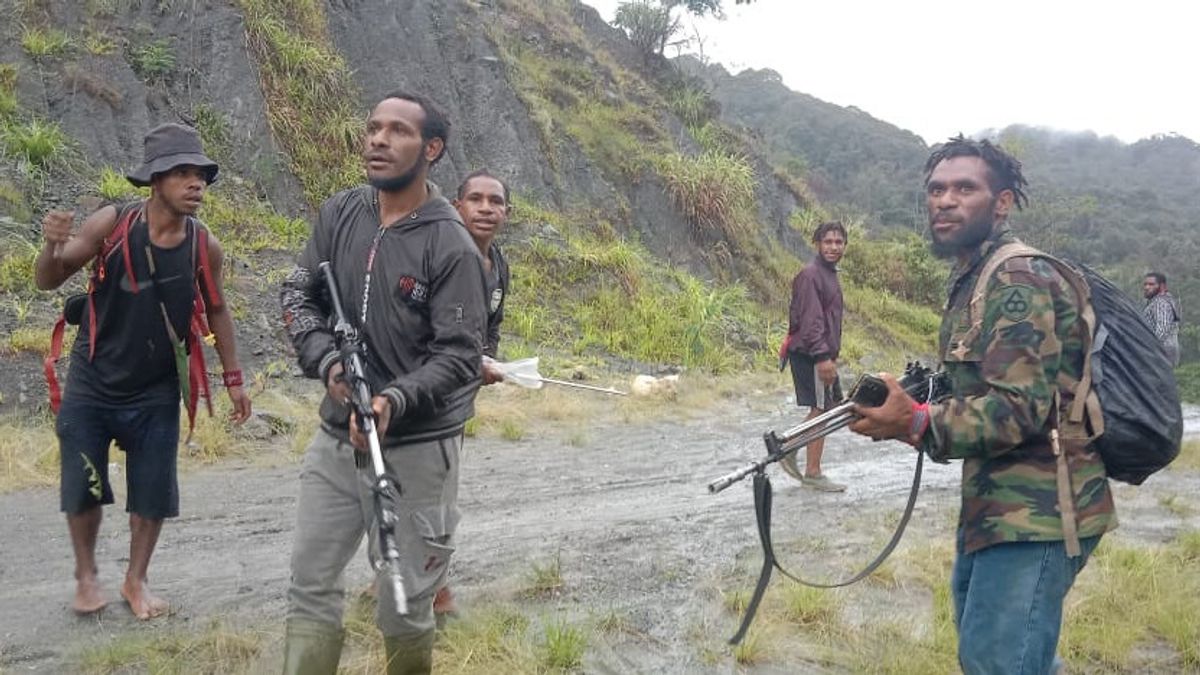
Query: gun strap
(762, 510)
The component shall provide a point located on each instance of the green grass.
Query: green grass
(36, 144)
(564, 646)
(17, 259)
(30, 339)
(1188, 378)
(114, 186)
(42, 43)
(309, 92)
(714, 191)
(1189, 456)
(153, 61)
(1131, 596)
(243, 223)
(99, 43)
(215, 649)
(543, 579)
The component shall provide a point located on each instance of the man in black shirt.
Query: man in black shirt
(129, 360)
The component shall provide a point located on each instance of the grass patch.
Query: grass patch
(113, 186)
(28, 454)
(35, 144)
(810, 607)
(99, 43)
(714, 191)
(1188, 459)
(563, 647)
(17, 265)
(41, 43)
(246, 224)
(489, 640)
(1131, 596)
(543, 580)
(309, 93)
(153, 61)
(751, 650)
(511, 430)
(31, 339)
(215, 649)
(1176, 505)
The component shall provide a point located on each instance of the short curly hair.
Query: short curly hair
(1004, 170)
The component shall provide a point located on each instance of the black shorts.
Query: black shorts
(149, 435)
(810, 391)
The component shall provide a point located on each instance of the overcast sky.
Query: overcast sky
(1126, 69)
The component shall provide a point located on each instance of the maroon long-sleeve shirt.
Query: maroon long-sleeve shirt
(815, 315)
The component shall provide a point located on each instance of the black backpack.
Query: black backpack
(1128, 397)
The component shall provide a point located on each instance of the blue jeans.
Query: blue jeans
(1008, 601)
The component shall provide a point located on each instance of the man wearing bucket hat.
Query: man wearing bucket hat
(156, 281)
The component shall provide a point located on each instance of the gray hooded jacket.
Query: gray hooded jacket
(425, 317)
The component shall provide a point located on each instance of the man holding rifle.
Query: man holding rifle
(412, 283)
(1033, 506)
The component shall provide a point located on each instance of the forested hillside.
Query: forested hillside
(1126, 209)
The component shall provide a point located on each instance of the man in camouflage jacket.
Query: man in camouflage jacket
(1008, 371)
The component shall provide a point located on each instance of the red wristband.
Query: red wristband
(232, 378)
(920, 421)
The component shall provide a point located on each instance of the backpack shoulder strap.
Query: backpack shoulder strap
(1086, 400)
(203, 267)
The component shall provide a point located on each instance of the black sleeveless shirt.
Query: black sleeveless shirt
(134, 362)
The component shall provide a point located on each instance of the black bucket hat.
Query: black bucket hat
(168, 146)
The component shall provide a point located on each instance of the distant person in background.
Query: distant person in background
(1162, 313)
(813, 341)
(482, 203)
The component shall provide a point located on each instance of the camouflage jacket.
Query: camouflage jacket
(999, 418)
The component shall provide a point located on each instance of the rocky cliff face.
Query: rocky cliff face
(106, 106)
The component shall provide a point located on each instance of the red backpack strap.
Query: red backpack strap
(56, 343)
(209, 291)
(119, 236)
(204, 288)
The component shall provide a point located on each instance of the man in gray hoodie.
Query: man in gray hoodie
(412, 282)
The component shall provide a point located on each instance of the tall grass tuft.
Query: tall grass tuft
(714, 191)
(564, 646)
(35, 144)
(43, 43)
(309, 93)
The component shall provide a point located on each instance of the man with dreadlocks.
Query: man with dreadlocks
(1029, 519)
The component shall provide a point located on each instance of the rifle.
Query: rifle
(924, 385)
(386, 490)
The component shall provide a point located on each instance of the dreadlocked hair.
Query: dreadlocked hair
(1004, 170)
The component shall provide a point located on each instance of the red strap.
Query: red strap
(91, 323)
(205, 269)
(120, 233)
(56, 342)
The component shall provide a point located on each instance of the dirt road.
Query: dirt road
(627, 513)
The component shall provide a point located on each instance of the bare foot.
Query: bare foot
(89, 598)
(144, 604)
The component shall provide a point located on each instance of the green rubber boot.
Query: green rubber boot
(311, 648)
(406, 656)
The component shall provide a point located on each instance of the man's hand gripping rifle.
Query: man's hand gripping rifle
(920, 382)
(385, 488)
